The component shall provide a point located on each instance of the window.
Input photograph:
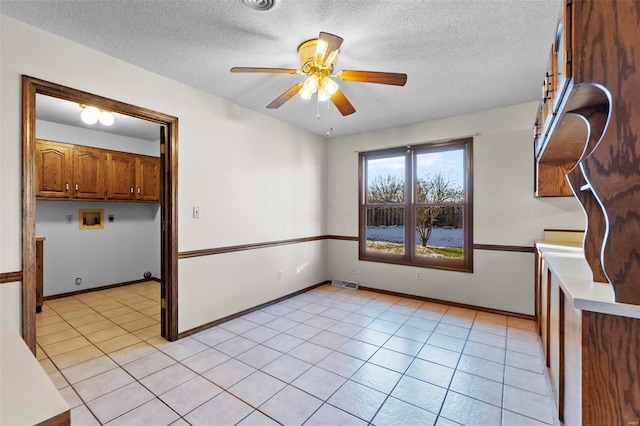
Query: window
(416, 205)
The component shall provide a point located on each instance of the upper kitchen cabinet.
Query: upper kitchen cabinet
(76, 172)
(89, 173)
(53, 169)
(587, 134)
(147, 178)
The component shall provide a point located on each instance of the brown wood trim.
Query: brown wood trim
(103, 287)
(537, 291)
(28, 213)
(247, 311)
(253, 246)
(496, 247)
(563, 230)
(342, 238)
(548, 308)
(449, 303)
(169, 198)
(62, 419)
(561, 353)
(10, 277)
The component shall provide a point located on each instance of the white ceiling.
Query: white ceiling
(460, 55)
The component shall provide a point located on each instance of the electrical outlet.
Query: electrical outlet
(69, 218)
(354, 271)
(279, 274)
(196, 212)
(418, 275)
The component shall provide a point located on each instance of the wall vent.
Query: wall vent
(261, 5)
(351, 285)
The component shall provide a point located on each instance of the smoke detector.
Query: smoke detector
(262, 5)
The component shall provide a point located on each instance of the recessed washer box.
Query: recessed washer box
(90, 219)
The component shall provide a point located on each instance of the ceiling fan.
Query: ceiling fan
(317, 58)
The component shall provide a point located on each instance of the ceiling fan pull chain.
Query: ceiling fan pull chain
(329, 116)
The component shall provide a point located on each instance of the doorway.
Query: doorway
(168, 199)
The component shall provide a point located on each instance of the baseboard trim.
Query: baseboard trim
(104, 287)
(247, 311)
(59, 420)
(449, 303)
(10, 277)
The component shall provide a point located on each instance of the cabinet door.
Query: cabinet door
(53, 169)
(148, 178)
(121, 176)
(89, 172)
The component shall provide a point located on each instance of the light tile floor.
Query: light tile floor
(326, 357)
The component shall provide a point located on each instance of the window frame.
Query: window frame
(409, 258)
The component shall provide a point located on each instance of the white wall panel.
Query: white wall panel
(229, 283)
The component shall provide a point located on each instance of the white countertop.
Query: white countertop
(27, 395)
(568, 263)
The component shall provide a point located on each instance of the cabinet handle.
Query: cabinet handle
(138, 190)
(132, 190)
(76, 187)
(66, 187)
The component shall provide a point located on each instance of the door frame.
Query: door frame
(168, 199)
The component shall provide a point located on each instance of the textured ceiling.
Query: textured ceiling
(460, 55)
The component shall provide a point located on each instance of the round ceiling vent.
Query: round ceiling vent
(261, 4)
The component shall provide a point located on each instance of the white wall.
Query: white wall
(97, 139)
(120, 252)
(505, 211)
(254, 178)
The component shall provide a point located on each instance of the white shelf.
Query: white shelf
(576, 280)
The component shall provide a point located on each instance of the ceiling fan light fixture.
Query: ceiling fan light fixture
(326, 89)
(317, 59)
(309, 87)
(329, 86)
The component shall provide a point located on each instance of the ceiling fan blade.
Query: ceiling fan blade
(392, 78)
(327, 48)
(290, 93)
(265, 70)
(342, 103)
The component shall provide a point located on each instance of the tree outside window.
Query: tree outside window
(432, 226)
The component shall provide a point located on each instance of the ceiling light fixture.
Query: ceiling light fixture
(319, 71)
(261, 5)
(91, 115)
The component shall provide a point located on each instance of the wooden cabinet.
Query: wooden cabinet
(121, 176)
(76, 172)
(88, 173)
(586, 137)
(590, 343)
(147, 178)
(53, 169)
(556, 147)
